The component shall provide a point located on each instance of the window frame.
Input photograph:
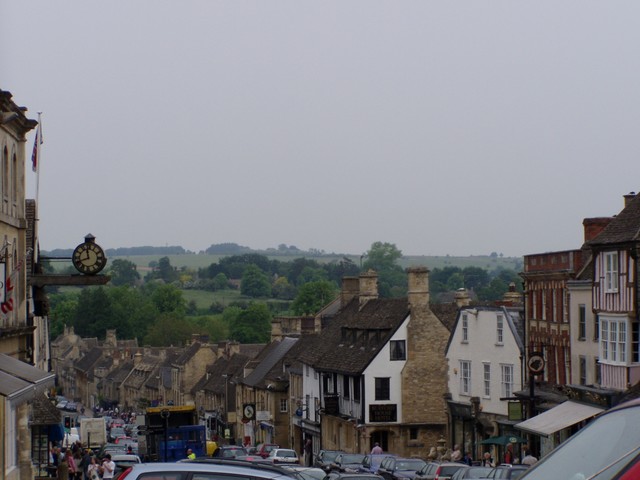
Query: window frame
(397, 350)
(465, 328)
(382, 388)
(582, 322)
(486, 378)
(611, 272)
(614, 342)
(465, 377)
(506, 380)
(500, 329)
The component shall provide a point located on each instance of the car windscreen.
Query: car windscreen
(413, 465)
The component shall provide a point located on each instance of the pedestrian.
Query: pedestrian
(71, 465)
(107, 467)
(456, 455)
(508, 454)
(467, 459)
(190, 454)
(377, 449)
(84, 464)
(487, 461)
(528, 458)
(93, 469)
(308, 451)
(63, 469)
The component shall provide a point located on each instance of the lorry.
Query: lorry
(93, 432)
(170, 431)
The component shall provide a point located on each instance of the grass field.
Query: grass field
(195, 261)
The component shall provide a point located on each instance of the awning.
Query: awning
(563, 416)
(503, 440)
(21, 382)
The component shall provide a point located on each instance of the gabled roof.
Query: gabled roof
(269, 357)
(89, 360)
(44, 411)
(513, 315)
(623, 228)
(188, 354)
(356, 335)
(214, 380)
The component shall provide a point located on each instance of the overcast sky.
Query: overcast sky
(444, 127)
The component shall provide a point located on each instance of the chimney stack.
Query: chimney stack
(350, 289)
(462, 298)
(368, 287)
(418, 293)
(628, 197)
(593, 227)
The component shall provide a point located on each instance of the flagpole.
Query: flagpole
(39, 159)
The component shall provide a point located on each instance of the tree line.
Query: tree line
(153, 309)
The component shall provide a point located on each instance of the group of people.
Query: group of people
(76, 463)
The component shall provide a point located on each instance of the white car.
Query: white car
(283, 455)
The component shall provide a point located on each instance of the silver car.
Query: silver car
(209, 469)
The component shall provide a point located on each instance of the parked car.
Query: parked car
(206, 468)
(283, 455)
(116, 432)
(347, 462)
(62, 402)
(607, 448)
(472, 473)
(263, 449)
(352, 476)
(229, 451)
(397, 468)
(124, 461)
(510, 472)
(440, 471)
(324, 458)
(71, 407)
(371, 462)
(306, 473)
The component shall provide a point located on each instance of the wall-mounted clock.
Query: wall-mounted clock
(88, 257)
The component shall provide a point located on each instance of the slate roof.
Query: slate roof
(89, 360)
(623, 228)
(269, 357)
(45, 412)
(356, 335)
(216, 382)
(188, 354)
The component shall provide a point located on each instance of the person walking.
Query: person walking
(487, 461)
(108, 467)
(63, 469)
(377, 449)
(528, 458)
(93, 469)
(308, 452)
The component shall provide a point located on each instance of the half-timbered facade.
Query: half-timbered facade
(615, 297)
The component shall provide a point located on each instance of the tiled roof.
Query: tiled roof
(89, 360)
(623, 228)
(269, 357)
(44, 411)
(356, 335)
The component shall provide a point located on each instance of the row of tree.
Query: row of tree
(154, 310)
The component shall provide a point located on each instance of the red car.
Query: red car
(264, 449)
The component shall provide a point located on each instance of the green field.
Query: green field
(195, 261)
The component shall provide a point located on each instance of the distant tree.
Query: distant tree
(93, 313)
(169, 329)
(192, 308)
(166, 271)
(255, 282)
(63, 309)
(212, 326)
(311, 274)
(220, 281)
(132, 311)
(313, 296)
(383, 258)
(283, 290)
(475, 277)
(168, 299)
(252, 325)
(123, 272)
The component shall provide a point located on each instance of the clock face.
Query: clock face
(88, 258)
(249, 411)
